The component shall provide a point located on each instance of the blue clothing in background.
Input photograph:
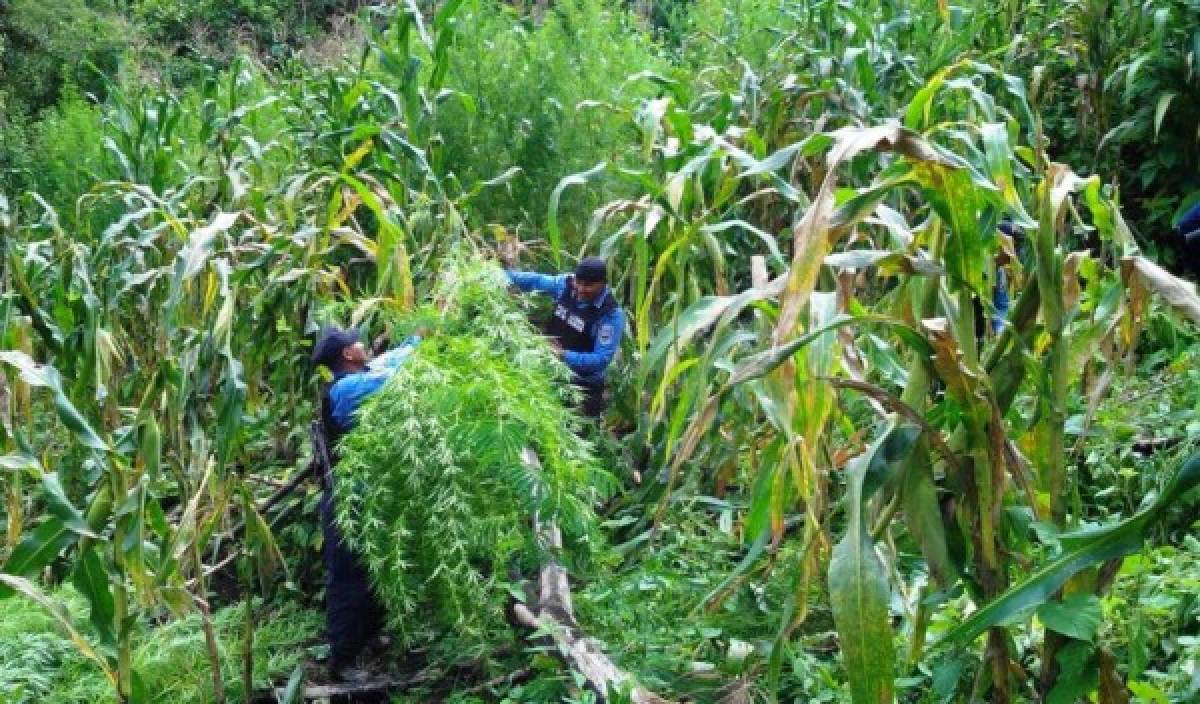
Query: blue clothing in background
(350, 390)
(1000, 300)
(588, 366)
(1190, 222)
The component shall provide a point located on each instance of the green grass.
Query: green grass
(38, 664)
(653, 613)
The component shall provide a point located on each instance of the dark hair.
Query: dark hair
(592, 270)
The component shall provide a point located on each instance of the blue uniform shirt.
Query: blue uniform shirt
(350, 390)
(589, 366)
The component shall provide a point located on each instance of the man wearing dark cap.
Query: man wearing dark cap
(353, 615)
(585, 326)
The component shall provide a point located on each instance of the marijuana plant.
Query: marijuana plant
(432, 489)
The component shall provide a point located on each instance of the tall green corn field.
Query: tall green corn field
(803, 205)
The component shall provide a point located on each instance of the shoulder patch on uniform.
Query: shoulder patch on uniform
(604, 335)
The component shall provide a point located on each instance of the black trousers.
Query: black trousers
(595, 402)
(353, 614)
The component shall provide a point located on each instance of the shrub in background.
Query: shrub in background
(549, 98)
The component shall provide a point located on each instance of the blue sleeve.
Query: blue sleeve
(348, 393)
(1190, 220)
(608, 340)
(529, 281)
(351, 390)
(394, 357)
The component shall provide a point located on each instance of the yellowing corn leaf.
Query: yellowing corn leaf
(1179, 294)
(354, 158)
(812, 235)
(960, 381)
(1071, 290)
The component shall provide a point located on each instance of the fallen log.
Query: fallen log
(379, 686)
(554, 615)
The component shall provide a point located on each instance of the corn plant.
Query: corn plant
(879, 301)
(139, 322)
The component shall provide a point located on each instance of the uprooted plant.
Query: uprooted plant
(432, 487)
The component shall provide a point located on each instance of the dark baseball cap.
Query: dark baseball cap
(592, 270)
(330, 343)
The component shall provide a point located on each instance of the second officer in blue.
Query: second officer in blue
(585, 326)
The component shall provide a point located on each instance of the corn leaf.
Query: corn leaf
(92, 581)
(44, 375)
(1178, 293)
(553, 233)
(858, 582)
(37, 550)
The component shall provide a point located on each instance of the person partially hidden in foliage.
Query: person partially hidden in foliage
(353, 614)
(1188, 228)
(1001, 301)
(585, 326)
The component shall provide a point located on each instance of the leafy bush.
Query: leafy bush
(267, 22)
(52, 45)
(50, 55)
(546, 97)
(431, 487)
(60, 155)
(1123, 97)
(1149, 424)
(1154, 621)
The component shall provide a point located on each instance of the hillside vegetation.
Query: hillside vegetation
(825, 475)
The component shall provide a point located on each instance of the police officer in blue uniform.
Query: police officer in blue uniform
(1189, 223)
(353, 615)
(585, 326)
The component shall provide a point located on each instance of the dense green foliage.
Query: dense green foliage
(1125, 101)
(37, 664)
(802, 200)
(46, 48)
(1115, 82)
(203, 25)
(550, 98)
